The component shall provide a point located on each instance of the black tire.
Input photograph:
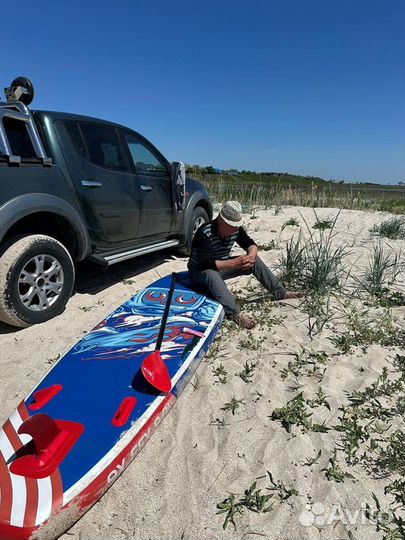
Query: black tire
(29, 295)
(198, 217)
(27, 84)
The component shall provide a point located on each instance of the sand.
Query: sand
(193, 462)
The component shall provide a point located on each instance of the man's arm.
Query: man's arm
(252, 253)
(244, 240)
(247, 243)
(245, 262)
(236, 262)
(201, 246)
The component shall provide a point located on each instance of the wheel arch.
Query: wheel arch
(39, 213)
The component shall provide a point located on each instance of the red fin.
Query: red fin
(53, 440)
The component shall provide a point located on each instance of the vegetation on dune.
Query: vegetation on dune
(275, 189)
(393, 228)
(295, 412)
(360, 432)
(362, 330)
(254, 500)
(232, 405)
(314, 264)
(379, 275)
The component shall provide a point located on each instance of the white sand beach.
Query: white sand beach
(201, 453)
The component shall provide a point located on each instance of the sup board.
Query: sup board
(77, 431)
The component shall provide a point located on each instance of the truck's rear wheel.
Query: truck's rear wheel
(198, 217)
(36, 280)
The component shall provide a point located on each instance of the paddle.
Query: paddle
(153, 367)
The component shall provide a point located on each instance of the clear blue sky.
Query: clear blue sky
(307, 86)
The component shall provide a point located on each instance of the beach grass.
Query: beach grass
(379, 274)
(314, 264)
(393, 228)
(275, 191)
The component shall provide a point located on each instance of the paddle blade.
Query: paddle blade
(156, 373)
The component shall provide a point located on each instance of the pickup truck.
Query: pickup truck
(74, 187)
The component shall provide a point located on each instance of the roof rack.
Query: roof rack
(18, 96)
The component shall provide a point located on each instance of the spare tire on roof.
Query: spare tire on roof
(27, 84)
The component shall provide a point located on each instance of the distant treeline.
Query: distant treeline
(285, 178)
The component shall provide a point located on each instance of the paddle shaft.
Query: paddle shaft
(165, 313)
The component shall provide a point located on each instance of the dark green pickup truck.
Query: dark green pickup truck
(74, 187)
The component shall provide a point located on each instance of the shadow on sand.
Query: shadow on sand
(92, 278)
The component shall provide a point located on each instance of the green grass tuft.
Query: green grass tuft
(292, 222)
(233, 405)
(220, 373)
(333, 472)
(295, 412)
(314, 264)
(394, 228)
(248, 371)
(379, 274)
(323, 224)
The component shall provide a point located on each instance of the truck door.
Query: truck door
(155, 187)
(104, 180)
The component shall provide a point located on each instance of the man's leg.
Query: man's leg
(268, 279)
(214, 282)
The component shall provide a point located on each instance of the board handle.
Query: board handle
(43, 396)
(124, 411)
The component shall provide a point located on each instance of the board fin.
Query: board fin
(53, 440)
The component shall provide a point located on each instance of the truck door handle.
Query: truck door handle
(146, 188)
(91, 183)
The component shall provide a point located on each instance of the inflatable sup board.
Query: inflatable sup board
(76, 432)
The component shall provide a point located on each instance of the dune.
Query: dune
(204, 451)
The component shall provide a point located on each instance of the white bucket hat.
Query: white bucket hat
(231, 213)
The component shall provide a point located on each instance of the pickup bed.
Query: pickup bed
(74, 187)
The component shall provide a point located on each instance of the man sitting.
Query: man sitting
(210, 262)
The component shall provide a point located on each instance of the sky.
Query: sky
(312, 87)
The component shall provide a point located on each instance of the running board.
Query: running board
(108, 260)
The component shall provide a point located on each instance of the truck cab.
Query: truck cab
(75, 187)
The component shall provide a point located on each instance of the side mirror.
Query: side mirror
(179, 179)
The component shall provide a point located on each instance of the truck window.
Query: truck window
(103, 146)
(76, 137)
(18, 138)
(142, 157)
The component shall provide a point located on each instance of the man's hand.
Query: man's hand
(244, 262)
(250, 259)
(238, 262)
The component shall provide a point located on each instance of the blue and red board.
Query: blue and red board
(71, 438)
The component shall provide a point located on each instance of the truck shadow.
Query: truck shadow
(92, 278)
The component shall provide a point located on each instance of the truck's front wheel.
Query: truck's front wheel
(36, 280)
